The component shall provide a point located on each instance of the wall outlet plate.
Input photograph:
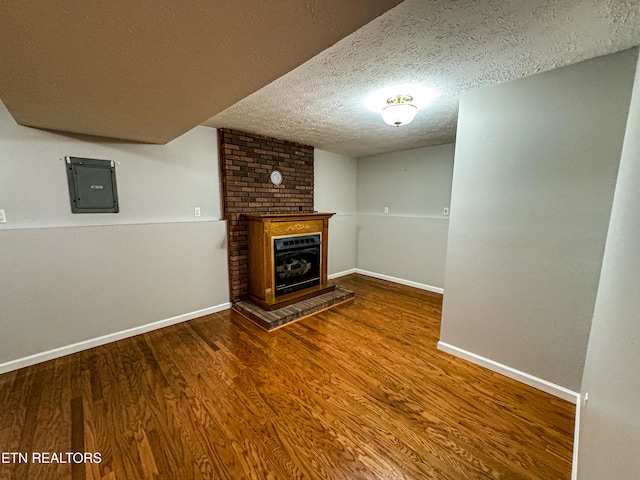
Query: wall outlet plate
(196, 211)
(3, 216)
(445, 211)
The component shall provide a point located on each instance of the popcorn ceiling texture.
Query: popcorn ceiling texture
(453, 47)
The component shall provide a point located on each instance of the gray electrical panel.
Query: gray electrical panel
(92, 185)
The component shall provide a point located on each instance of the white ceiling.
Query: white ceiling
(452, 46)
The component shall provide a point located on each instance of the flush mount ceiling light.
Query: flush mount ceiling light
(396, 108)
(399, 110)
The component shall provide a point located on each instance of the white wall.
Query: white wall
(610, 425)
(68, 278)
(335, 191)
(156, 183)
(535, 170)
(409, 243)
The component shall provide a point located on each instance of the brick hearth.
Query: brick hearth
(271, 320)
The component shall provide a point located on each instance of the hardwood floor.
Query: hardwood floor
(357, 392)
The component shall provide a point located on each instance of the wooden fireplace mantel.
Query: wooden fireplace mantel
(286, 217)
(262, 229)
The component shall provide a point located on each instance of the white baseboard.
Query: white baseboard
(576, 438)
(341, 274)
(507, 371)
(401, 281)
(111, 337)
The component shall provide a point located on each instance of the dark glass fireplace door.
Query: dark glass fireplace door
(296, 263)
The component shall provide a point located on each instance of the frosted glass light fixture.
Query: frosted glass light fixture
(399, 110)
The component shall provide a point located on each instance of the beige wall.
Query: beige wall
(61, 286)
(68, 278)
(404, 248)
(535, 169)
(409, 243)
(610, 424)
(335, 191)
(156, 183)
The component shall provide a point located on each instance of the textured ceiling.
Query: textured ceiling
(453, 47)
(149, 70)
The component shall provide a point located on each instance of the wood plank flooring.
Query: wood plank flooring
(356, 392)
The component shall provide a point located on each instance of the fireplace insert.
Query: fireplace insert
(296, 263)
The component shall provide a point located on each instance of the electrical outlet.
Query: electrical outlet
(386, 209)
(3, 216)
(197, 211)
(445, 211)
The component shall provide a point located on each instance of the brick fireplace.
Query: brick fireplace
(246, 162)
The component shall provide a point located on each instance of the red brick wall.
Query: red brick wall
(246, 162)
